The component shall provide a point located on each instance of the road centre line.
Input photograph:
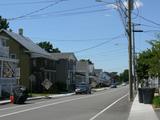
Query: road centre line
(98, 114)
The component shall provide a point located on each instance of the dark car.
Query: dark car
(83, 88)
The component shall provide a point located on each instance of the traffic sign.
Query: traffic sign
(46, 84)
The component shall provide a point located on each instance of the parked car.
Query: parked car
(113, 86)
(83, 88)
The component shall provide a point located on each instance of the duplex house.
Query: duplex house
(33, 60)
(65, 66)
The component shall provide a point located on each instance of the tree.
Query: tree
(3, 23)
(124, 76)
(48, 47)
(143, 65)
(89, 61)
(115, 77)
(148, 62)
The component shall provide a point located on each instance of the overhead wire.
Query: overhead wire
(26, 3)
(71, 40)
(67, 10)
(68, 14)
(36, 11)
(100, 44)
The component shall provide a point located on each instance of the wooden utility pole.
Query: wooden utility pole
(134, 56)
(130, 5)
(134, 64)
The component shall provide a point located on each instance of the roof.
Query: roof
(27, 43)
(69, 56)
(82, 66)
(98, 70)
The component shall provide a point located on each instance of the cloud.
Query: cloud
(107, 15)
(137, 4)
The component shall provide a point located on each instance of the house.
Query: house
(65, 66)
(99, 74)
(33, 60)
(106, 79)
(8, 69)
(103, 78)
(82, 71)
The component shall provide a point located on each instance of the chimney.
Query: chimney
(10, 30)
(20, 31)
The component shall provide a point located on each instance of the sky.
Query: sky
(92, 30)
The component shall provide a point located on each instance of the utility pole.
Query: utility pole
(134, 56)
(134, 65)
(130, 5)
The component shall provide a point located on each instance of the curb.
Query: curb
(40, 97)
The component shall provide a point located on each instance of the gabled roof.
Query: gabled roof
(68, 56)
(27, 43)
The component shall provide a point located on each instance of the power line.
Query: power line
(148, 20)
(67, 14)
(71, 40)
(100, 44)
(26, 3)
(145, 31)
(36, 11)
(149, 26)
(67, 10)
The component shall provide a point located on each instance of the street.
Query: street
(110, 104)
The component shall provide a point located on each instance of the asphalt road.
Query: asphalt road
(110, 104)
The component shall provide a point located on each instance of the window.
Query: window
(13, 56)
(34, 63)
(3, 42)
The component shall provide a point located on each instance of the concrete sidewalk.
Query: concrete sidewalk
(140, 111)
(40, 97)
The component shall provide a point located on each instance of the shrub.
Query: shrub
(156, 101)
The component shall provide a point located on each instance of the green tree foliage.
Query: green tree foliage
(124, 76)
(143, 65)
(48, 47)
(115, 77)
(148, 62)
(89, 61)
(3, 23)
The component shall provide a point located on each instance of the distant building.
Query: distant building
(82, 71)
(103, 78)
(65, 66)
(99, 74)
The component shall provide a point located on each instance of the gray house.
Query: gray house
(82, 71)
(65, 67)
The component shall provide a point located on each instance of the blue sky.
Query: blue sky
(97, 25)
